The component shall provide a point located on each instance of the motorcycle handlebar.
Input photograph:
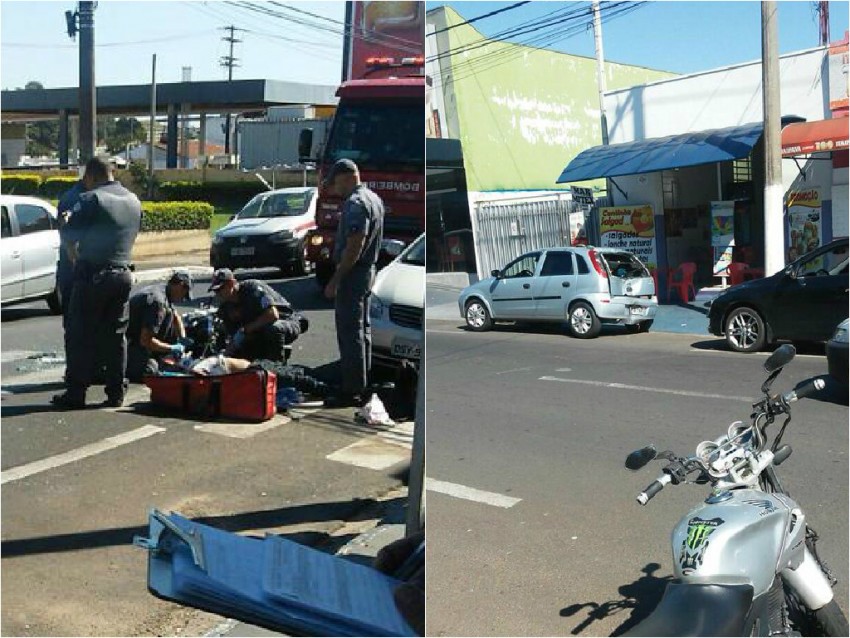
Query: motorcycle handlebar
(653, 488)
(804, 389)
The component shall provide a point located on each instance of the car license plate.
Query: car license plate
(405, 349)
(242, 252)
(638, 310)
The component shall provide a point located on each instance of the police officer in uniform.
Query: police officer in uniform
(103, 225)
(260, 320)
(356, 250)
(155, 328)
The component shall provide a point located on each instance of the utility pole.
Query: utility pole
(774, 227)
(591, 220)
(600, 69)
(229, 61)
(823, 22)
(88, 104)
(152, 127)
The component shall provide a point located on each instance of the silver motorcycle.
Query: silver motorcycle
(745, 560)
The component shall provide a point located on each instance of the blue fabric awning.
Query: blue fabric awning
(662, 153)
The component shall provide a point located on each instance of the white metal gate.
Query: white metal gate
(505, 229)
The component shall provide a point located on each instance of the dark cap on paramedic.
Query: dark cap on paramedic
(340, 167)
(220, 276)
(182, 277)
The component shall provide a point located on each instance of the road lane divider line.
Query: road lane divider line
(514, 370)
(51, 462)
(470, 493)
(624, 386)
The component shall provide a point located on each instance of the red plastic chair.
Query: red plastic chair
(682, 281)
(737, 272)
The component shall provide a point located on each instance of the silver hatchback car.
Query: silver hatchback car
(585, 286)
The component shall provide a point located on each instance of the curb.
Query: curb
(159, 275)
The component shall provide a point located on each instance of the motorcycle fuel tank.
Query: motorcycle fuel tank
(740, 536)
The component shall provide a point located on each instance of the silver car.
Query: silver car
(30, 251)
(585, 286)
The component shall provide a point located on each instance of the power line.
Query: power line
(507, 53)
(374, 33)
(28, 45)
(378, 38)
(481, 17)
(556, 18)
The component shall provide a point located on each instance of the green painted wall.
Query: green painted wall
(525, 113)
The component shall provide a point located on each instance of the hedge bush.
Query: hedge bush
(214, 192)
(20, 184)
(54, 187)
(158, 216)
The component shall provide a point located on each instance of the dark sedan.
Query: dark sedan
(803, 302)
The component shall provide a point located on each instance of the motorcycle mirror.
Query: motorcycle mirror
(780, 358)
(639, 458)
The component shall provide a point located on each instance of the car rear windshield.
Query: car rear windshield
(624, 265)
(276, 205)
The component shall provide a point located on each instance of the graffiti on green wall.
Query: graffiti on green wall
(524, 113)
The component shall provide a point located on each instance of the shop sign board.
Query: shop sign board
(838, 82)
(803, 208)
(630, 228)
(581, 195)
(722, 236)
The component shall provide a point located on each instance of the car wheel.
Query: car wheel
(583, 322)
(477, 316)
(745, 330)
(54, 301)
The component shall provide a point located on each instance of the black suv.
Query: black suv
(803, 302)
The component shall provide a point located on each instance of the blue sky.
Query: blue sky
(34, 44)
(675, 36)
(683, 37)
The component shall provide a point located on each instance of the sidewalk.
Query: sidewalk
(691, 318)
(158, 269)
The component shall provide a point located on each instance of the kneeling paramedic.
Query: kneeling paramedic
(156, 330)
(260, 321)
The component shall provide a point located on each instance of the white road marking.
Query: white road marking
(374, 453)
(623, 386)
(470, 493)
(514, 370)
(235, 430)
(110, 443)
(16, 355)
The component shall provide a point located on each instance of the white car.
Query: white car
(30, 251)
(397, 307)
(269, 231)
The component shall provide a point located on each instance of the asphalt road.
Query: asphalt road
(67, 561)
(576, 555)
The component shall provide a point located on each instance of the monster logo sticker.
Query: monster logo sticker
(696, 542)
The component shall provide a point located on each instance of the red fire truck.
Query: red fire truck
(379, 124)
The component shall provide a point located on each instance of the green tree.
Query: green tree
(42, 137)
(116, 133)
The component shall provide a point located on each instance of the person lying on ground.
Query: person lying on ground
(261, 322)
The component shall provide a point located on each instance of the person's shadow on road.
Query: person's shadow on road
(640, 596)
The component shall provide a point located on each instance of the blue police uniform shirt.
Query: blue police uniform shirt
(105, 223)
(69, 199)
(362, 212)
(150, 308)
(254, 298)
